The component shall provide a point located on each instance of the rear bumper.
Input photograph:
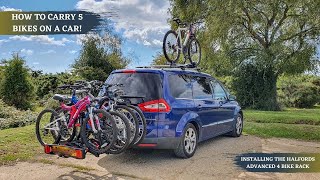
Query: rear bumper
(159, 143)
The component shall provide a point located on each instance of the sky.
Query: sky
(140, 23)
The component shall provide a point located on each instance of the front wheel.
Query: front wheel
(194, 51)
(171, 46)
(188, 143)
(238, 126)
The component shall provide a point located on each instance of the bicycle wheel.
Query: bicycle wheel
(133, 121)
(142, 124)
(123, 135)
(47, 127)
(171, 46)
(194, 51)
(102, 140)
(67, 134)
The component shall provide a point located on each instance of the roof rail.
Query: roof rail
(181, 66)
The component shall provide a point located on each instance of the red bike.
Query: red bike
(98, 129)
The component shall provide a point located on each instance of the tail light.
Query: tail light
(159, 105)
(129, 71)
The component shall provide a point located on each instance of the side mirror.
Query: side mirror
(232, 97)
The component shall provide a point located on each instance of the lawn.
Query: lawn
(290, 123)
(18, 144)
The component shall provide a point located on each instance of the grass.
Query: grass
(295, 131)
(291, 123)
(18, 144)
(288, 116)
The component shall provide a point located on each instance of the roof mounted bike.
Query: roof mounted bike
(183, 39)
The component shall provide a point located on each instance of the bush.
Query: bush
(10, 117)
(299, 91)
(255, 88)
(16, 87)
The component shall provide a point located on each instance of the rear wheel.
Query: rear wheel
(101, 141)
(47, 127)
(123, 133)
(188, 142)
(194, 51)
(171, 46)
(142, 124)
(67, 134)
(133, 121)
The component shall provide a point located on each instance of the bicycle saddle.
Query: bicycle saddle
(60, 97)
(177, 20)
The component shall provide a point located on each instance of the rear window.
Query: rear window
(148, 85)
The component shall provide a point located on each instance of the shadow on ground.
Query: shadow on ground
(213, 157)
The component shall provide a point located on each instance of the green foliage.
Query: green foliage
(16, 86)
(255, 89)
(159, 59)
(299, 91)
(1, 72)
(46, 84)
(99, 57)
(10, 117)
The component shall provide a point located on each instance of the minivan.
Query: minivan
(182, 107)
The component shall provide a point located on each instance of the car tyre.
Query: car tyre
(238, 126)
(188, 142)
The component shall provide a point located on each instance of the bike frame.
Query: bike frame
(75, 110)
(188, 31)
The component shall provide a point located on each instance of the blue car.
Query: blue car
(182, 107)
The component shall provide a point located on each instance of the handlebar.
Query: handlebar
(180, 23)
(82, 85)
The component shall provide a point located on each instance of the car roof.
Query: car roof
(164, 70)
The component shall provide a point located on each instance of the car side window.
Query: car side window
(180, 86)
(201, 88)
(218, 91)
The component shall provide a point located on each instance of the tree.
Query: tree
(99, 57)
(159, 59)
(16, 87)
(276, 37)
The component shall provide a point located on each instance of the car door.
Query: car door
(226, 107)
(205, 106)
(181, 103)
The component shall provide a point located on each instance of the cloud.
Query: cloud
(3, 41)
(35, 63)
(26, 52)
(72, 51)
(48, 52)
(43, 39)
(5, 8)
(142, 21)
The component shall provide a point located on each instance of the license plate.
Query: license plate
(66, 151)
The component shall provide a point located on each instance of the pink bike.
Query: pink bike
(98, 129)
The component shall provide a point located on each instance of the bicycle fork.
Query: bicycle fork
(91, 119)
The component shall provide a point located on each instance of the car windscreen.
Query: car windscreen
(146, 85)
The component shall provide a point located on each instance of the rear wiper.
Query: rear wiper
(110, 85)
